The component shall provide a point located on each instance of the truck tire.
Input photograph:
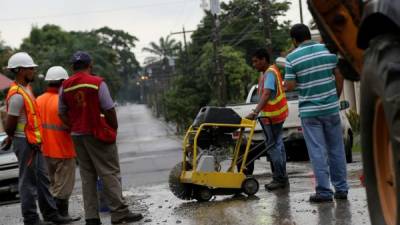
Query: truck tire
(380, 128)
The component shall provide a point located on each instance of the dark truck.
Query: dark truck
(366, 35)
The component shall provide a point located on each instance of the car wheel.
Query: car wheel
(348, 146)
(380, 128)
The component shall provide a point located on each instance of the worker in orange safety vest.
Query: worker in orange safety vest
(57, 146)
(272, 105)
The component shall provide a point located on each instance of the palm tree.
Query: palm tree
(164, 49)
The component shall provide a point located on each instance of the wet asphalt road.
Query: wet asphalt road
(148, 149)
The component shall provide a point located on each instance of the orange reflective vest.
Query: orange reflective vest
(33, 126)
(57, 142)
(277, 108)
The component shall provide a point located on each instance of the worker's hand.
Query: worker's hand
(251, 116)
(6, 144)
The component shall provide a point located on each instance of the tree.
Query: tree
(190, 92)
(239, 74)
(165, 48)
(111, 51)
(241, 27)
(123, 44)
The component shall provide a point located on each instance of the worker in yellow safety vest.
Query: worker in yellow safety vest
(24, 131)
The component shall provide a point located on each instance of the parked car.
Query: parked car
(8, 170)
(292, 132)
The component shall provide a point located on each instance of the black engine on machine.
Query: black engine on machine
(217, 136)
(215, 141)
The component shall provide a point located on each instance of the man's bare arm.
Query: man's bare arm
(11, 125)
(290, 85)
(339, 81)
(263, 101)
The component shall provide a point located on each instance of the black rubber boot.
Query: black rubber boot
(62, 206)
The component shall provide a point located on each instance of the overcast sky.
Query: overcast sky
(147, 20)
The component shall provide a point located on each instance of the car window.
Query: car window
(254, 97)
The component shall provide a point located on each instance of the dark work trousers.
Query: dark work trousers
(276, 151)
(33, 182)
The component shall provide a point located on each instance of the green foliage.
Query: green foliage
(164, 49)
(354, 120)
(241, 34)
(110, 49)
(239, 75)
(189, 93)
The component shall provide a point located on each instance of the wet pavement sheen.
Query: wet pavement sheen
(148, 149)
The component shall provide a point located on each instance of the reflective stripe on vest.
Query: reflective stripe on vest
(31, 114)
(274, 113)
(57, 142)
(81, 86)
(276, 109)
(20, 127)
(54, 127)
(280, 96)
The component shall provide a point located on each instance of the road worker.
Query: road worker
(23, 128)
(87, 107)
(57, 146)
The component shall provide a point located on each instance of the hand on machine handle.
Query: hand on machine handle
(251, 116)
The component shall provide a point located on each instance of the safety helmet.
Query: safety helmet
(280, 61)
(20, 59)
(56, 73)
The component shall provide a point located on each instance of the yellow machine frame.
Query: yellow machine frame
(228, 179)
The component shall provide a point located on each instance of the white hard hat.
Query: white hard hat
(280, 61)
(56, 73)
(20, 59)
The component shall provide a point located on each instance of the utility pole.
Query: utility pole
(219, 67)
(265, 7)
(186, 58)
(184, 36)
(301, 11)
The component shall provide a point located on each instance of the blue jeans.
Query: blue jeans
(276, 151)
(33, 182)
(324, 139)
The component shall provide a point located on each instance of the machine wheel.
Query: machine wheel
(380, 128)
(250, 186)
(181, 190)
(203, 194)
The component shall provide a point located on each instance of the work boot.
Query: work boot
(58, 219)
(341, 195)
(40, 222)
(130, 217)
(317, 198)
(93, 221)
(62, 206)
(274, 185)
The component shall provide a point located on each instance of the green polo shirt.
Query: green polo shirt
(311, 66)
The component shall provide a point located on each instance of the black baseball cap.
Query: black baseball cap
(81, 56)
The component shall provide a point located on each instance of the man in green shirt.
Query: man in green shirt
(312, 69)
